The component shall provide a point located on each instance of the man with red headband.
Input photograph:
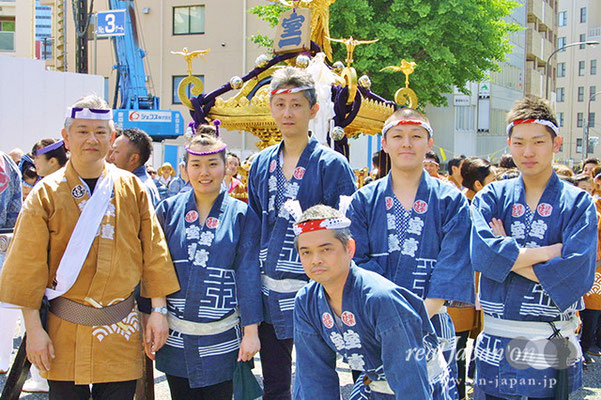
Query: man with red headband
(297, 168)
(377, 326)
(534, 241)
(414, 229)
(84, 240)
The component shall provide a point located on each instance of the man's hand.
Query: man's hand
(156, 333)
(554, 250)
(250, 344)
(40, 350)
(497, 227)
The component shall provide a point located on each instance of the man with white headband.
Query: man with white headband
(297, 168)
(377, 326)
(413, 229)
(534, 241)
(84, 240)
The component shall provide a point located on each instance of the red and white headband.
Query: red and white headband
(294, 208)
(417, 122)
(544, 122)
(89, 113)
(291, 90)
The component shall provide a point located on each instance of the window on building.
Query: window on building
(560, 119)
(591, 120)
(579, 120)
(561, 94)
(580, 93)
(561, 70)
(562, 18)
(176, 79)
(582, 38)
(7, 34)
(579, 145)
(561, 42)
(188, 20)
(593, 67)
(591, 92)
(583, 14)
(581, 68)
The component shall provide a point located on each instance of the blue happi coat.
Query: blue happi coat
(384, 331)
(218, 269)
(424, 250)
(565, 214)
(151, 187)
(320, 177)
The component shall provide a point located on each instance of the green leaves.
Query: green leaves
(452, 41)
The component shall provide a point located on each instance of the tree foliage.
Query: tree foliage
(452, 41)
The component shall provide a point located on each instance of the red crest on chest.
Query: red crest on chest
(299, 172)
(420, 206)
(518, 210)
(191, 216)
(348, 318)
(272, 166)
(212, 222)
(544, 209)
(327, 320)
(389, 203)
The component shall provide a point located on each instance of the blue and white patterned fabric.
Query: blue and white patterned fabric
(321, 177)
(218, 269)
(565, 214)
(11, 196)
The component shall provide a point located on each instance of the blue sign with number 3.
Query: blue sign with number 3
(110, 23)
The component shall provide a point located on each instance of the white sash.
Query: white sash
(82, 237)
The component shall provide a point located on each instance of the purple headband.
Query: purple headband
(89, 113)
(206, 153)
(49, 148)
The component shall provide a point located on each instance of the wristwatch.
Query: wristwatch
(161, 310)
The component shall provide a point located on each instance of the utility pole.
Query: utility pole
(82, 21)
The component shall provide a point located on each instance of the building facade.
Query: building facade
(17, 28)
(578, 79)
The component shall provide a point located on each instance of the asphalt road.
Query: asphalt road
(590, 390)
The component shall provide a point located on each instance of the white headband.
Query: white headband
(89, 113)
(544, 122)
(392, 124)
(291, 90)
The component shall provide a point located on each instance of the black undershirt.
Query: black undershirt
(91, 184)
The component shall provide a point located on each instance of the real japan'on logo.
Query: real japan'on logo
(389, 202)
(544, 209)
(420, 207)
(299, 172)
(348, 318)
(327, 320)
(518, 210)
(212, 222)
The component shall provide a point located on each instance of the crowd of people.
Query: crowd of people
(394, 276)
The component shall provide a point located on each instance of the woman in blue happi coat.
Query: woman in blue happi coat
(213, 240)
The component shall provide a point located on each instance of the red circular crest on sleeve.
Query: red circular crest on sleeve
(272, 166)
(299, 172)
(327, 320)
(191, 216)
(544, 209)
(518, 210)
(212, 222)
(348, 318)
(389, 203)
(420, 206)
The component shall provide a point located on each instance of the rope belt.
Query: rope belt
(203, 328)
(80, 314)
(512, 329)
(282, 285)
